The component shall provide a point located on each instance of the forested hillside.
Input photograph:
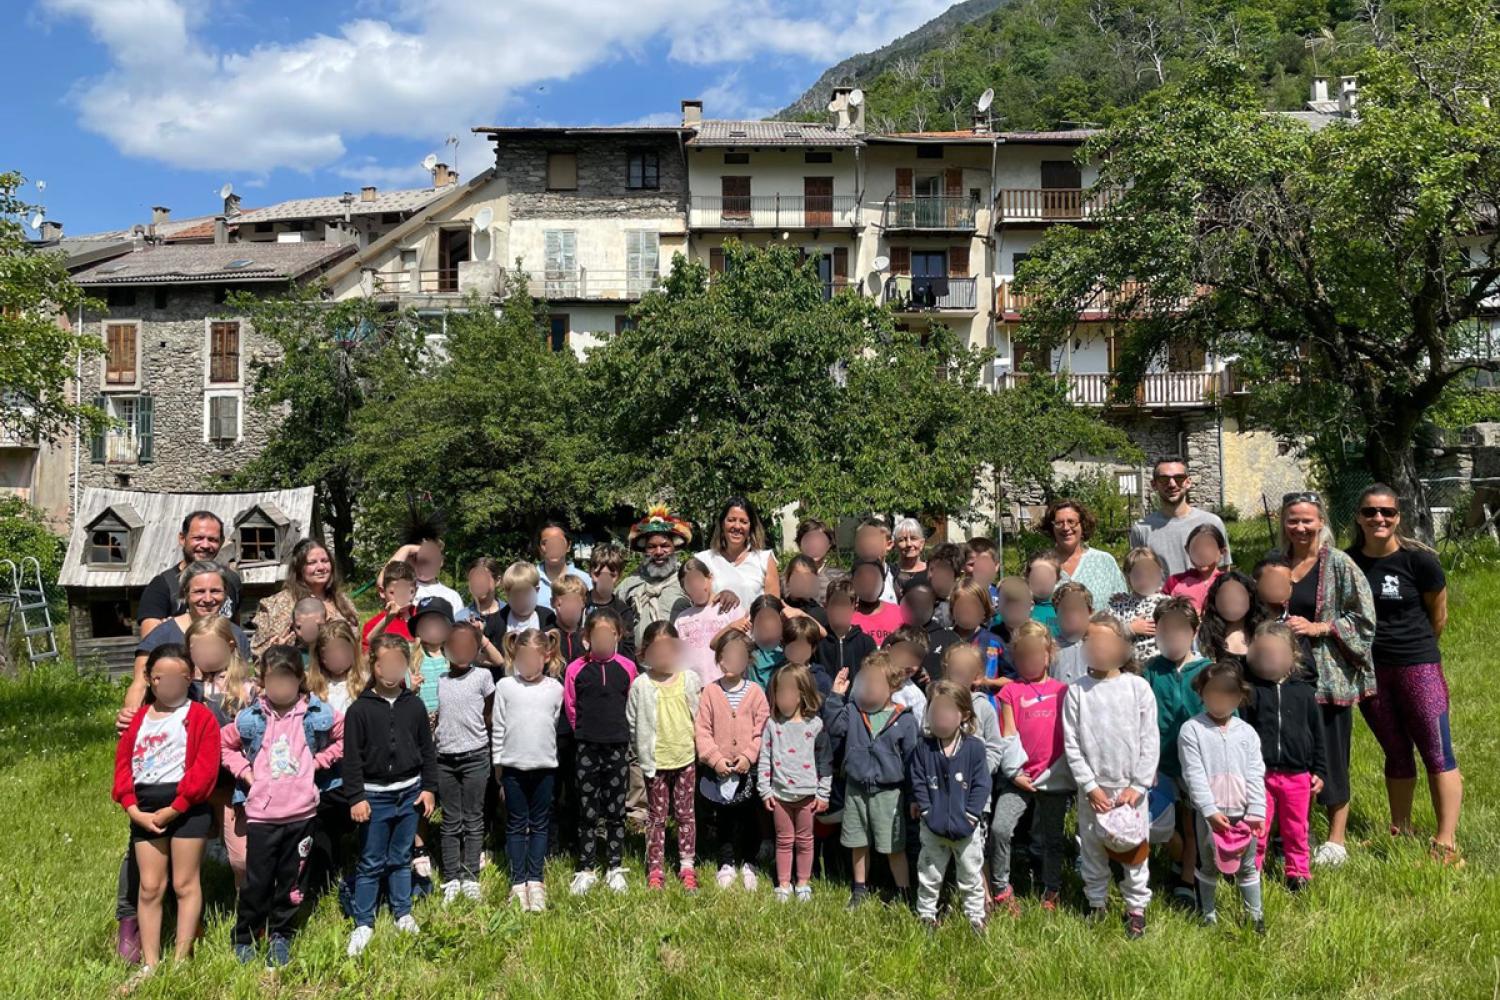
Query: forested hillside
(1058, 62)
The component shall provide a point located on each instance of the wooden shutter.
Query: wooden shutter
(96, 442)
(840, 266)
(145, 428)
(562, 171)
(716, 260)
(224, 352)
(904, 182)
(817, 201)
(735, 192)
(901, 260)
(958, 262)
(953, 182)
(119, 340)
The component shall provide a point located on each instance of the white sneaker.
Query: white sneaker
(421, 866)
(583, 882)
(615, 879)
(804, 893)
(450, 891)
(470, 889)
(748, 878)
(519, 894)
(408, 925)
(359, 940)
(783, 893)
(1330, 854)
(725, 877)
(536, 896)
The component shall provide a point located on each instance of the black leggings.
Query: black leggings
(737, 829)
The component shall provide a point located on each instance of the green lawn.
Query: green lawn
(1389, 924)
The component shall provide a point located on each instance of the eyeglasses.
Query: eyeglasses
(1177, 480)
(1306, 496)
(1389, 513)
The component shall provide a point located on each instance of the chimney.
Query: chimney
(367, 193)
(50, 230)
(441, 176)
(1319, 89)
(221, 231)
(847, 116)
(981, 123)
(1348, 95)
(232, 205)
(160, 214)
(692, 114)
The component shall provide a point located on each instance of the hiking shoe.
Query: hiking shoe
(1330, 855)
(725, 878)
(803, 893)
(359, 940)
(783, 893)
(583, 881)
(244, 953)
(615, 879)
(408, 925)
(689, 877)
(1135, 926)
(278, 951)
(654, 879)
(1049, 901)
(1005, 900)
(129, 946)
(749, 879)
(450, 891)
(536, 897)
(1296, 884)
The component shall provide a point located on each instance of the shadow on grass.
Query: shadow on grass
(53, 709)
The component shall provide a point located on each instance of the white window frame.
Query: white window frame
(208, 353)
(105, 385)
(220, 392)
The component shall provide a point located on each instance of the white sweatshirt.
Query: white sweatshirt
(523, 724)
(1110, 738)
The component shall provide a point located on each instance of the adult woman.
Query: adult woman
(1331, 610)
(1410, 704)
(737, 555)
(310, 573)
(910, 540)
(202, 588)
(1070, 525)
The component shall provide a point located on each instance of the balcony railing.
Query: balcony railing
(1119, 304)
(441, 281)
(1157, 390)
(121, 447)
(1045, 204)
(929, 212)
(905, 293)
(588, 284)
(774, 211)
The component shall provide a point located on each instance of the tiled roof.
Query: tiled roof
(969, 135)
(331, 206)
(1057, 135)
(199, 231)
(1316, 121)
(762, 133)
(182, 263)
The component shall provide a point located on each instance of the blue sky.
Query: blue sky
(123, 104)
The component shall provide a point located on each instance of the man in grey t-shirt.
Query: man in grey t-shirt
(1165, 530)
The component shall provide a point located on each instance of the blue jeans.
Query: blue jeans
(528, 816)
(385, 844)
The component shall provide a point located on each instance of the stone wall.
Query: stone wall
(602, 177)
(173, 355)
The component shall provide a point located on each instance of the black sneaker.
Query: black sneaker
(1296, 884)
(857, 896)
(1260, 927)
(1135, 926)
(1183, 897)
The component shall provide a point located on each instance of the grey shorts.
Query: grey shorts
(872, 818)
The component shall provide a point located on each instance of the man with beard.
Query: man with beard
(1165, 530)
(652, 592)
(201, 538)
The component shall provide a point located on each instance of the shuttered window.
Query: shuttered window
(562, 171)
(224, 351)
(958, 262)
(119, 359)
(561, 246)
(642, 250)
(901, 260)
(223, 418)
(716, 260)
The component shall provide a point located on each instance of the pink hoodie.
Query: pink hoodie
(283, 788)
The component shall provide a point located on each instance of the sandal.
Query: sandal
(1448, 855)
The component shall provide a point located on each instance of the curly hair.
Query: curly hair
(1086, 520)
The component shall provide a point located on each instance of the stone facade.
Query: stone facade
(602, 177)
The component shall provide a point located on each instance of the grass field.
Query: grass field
(1389, 924)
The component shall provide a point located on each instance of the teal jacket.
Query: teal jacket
(1176, 702)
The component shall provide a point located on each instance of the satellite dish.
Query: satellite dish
(856, 97)
(986, 99)
(41, 185)
(36, 220)
(226, 191)
(880, 263)
(429, 161)
(483, 218)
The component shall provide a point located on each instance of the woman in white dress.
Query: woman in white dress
(737, 555)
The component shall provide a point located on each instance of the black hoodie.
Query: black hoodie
(386, 743)
(1290, 725)
(849, 652)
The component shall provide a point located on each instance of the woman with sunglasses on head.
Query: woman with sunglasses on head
(1332, 611)
(1410, 706)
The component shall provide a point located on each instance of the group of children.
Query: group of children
(960, 724)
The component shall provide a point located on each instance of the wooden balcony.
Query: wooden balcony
(591, 285)
(907, 294)
(774, 211)
(929, 214)
(1120, 304)
(442, 281)
(1156, 391)
(1051, 204)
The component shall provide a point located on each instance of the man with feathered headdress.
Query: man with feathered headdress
(652, 591)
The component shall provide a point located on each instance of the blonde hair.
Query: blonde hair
(358, 676)
(1106, 620)
(239, 674)
(968, 587)
(570, 584)
(520, 574)
(963, 651)
(961, 699)
(1029, 632)
(533, 638)
(1141, 554)
(883, 661)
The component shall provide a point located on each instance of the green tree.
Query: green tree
(1349, 270)
(39, 351)
(313, 391)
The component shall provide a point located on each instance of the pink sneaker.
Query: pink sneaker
(689, 878)
(656, 880)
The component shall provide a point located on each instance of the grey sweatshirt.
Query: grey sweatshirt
(1003, 755)
(523, 724)
(796, 760)
(1223, 767)
(1109, 733)
(1068, 664)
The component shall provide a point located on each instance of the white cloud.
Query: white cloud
(390, 175)
(416, 69)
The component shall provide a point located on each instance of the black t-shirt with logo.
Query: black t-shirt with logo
(1403, 632)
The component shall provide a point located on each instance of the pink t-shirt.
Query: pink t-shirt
(1192, 585)
(1037, 709)
(881, 622)
(696, 628)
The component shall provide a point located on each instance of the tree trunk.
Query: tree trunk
(1390, 458)
(338, 512)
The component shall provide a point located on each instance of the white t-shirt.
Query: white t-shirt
(437, 589)
(340, 697)
(747, 579)
(160, 753)
(514, 624)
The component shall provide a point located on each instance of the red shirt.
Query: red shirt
(397, 627)
(881, 622)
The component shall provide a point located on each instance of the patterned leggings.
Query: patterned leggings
(678, 787)
(603, 772)
(1410, 706)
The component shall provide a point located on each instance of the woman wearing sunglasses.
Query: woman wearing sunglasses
(1410, 706)
(1331, 609)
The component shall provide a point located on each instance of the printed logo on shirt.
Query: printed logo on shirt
(283, 764)
(1033, 702)
(1390, 588)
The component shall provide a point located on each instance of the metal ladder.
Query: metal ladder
(27, 599)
